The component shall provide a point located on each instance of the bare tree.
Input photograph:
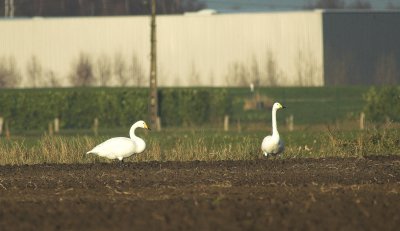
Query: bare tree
(393, 6)
(339, 68)
(35, 71)
(360, 4)
(237, 75)
(271, 70)
(306, 67)
(136, 71)
(387, 71)
(96, 7)
(325, 4)
(9, 74)
(338, 4)
(194, 76)
(82, 71)
(255, 76)
(50, 79)
(103, 70)
(211, 78)
(9, 8)
(120, 70)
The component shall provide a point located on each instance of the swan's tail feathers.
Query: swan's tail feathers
(90, 152)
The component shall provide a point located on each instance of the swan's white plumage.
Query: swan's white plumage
(121, 147)
(272, 144)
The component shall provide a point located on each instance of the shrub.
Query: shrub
(382, 104)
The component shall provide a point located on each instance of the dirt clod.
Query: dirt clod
(293, 194)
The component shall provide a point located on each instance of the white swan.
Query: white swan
(122, 147)
(273, 145)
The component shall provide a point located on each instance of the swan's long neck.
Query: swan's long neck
(274, 125)
(132, 132)
(140, 144)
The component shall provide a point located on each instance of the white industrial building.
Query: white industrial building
(304, 48)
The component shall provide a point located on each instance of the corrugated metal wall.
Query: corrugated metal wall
(361, 48)
(205, 50)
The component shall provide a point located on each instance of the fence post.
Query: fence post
(56, 125)
(387, 119)
(290, 122)
(226, 123)
(1, 125)
(158, 123)
(50, 129)
(96, 126)
(362, 120)
(7, 130)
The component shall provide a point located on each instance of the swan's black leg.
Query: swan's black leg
(118, 162)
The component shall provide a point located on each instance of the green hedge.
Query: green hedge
(26, 109)
(33, 109)
(383, 103)
(193, 106)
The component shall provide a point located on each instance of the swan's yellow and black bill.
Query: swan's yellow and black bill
(281, 106)
(145, 126)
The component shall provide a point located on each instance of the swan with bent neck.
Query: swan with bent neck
(273, 145)
(122, 147)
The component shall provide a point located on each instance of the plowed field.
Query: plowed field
(293, 194)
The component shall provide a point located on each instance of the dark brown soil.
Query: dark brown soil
(294, 194)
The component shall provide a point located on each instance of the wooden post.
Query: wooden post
(258, 101)
(362, 120)
(51, 132)
(387, 119)
(290, 122)
(1, 125)
(96, 126)
(56, 125)
(158, 122)
(226, 123)
(7, 130)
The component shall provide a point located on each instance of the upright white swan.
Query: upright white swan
(122, 147)
(273, 145)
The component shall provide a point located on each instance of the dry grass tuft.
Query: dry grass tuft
(211, 146)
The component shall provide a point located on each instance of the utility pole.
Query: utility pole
(153, 106)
